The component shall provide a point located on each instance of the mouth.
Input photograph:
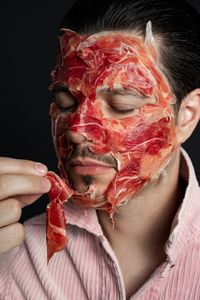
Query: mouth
(88, 166)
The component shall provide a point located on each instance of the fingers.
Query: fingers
(11, 236)
(20, 166)
(11, 232)
(25, 200)
(22, 184)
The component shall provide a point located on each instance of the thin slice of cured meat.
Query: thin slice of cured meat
(55, 218)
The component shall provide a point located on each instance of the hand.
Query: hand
(21, 183)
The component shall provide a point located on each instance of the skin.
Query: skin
(142, 227)
(134, 233)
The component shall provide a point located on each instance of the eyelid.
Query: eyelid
(66, 108)
(119, 91)
(124, 105)
(59, 87)
(64, 99)
(122, 112)
(67, 93)
(128, 101)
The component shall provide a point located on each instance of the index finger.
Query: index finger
(20, 166)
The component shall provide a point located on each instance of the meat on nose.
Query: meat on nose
(75, 137)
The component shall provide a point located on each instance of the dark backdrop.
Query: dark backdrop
(28, 33)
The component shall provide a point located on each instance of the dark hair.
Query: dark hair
(176, 22)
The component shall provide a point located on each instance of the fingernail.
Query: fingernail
(46, 183)
(40, 168)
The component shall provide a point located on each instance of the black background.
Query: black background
(28, 34)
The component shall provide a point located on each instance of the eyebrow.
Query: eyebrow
(102, 90)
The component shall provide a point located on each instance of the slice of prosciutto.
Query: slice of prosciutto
(55, 218)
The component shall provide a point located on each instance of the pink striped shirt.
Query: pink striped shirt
(88, 267)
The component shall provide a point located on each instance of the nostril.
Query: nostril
(75, 137)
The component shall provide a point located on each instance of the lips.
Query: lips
(88, 166)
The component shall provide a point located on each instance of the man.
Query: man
(126, 96)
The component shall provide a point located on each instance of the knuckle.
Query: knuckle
(3, 163)
(10, 212)
(11, 236)
(30, 182)
(2, 159)
(15, 208)
(3, 183)
(19, 230)
(37, 184)
(33, 182)
(26, 165)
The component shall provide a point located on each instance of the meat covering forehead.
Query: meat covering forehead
(112, 60)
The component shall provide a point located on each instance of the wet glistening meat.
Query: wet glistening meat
(139, 141)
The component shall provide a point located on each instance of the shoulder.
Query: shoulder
(182, 280)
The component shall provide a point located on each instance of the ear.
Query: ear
(188, 115)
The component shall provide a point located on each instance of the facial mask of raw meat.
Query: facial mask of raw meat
(136, 133)
(140, 141)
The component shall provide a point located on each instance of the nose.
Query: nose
(75, 137)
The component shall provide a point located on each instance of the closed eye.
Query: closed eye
(120, 102)
(63, 98)
(122, 112)
(124, 104)
(71, 108)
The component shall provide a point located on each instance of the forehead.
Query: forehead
(99, 49)
(113, 43)
(104, 48)
(111, 59)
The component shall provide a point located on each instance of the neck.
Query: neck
(145, 221)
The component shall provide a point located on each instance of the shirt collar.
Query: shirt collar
(186, 220)
(83, 218)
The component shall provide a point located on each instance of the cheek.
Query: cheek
(144, 137)
(142, 151)
(59, 127)
(137, 137)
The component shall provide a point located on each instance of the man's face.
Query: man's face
(113, 123)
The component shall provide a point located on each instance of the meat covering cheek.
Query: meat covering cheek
(142, 144)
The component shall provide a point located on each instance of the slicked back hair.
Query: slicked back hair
(175, 21)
